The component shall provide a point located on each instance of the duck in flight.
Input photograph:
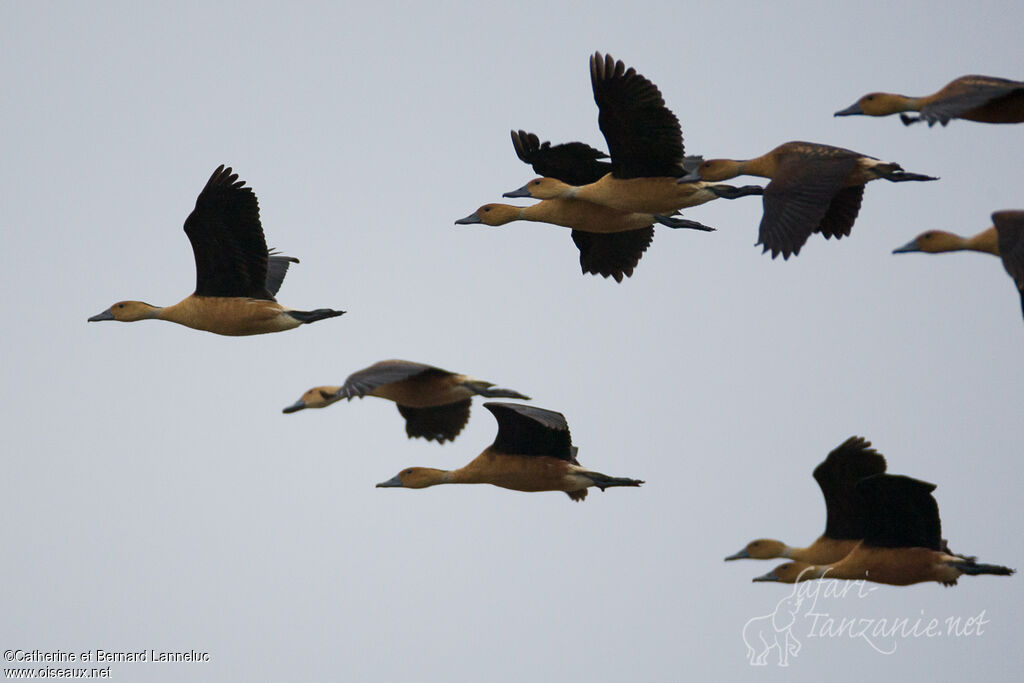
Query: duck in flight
(814, 188)
(646, 146)
(434, 402)
(986, 99)
(533, 451)
(1004, 239)
(236, 276)
(610, 241)
(837, 475)
(902, 541)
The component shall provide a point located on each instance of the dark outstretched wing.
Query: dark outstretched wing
(797, 200)
(525, 430)
(967, 93)
(1010, 228)
(612, 254)
(439, 423)
(900, 512)
(574, 163)
(837, 475)
(384, 372)
(842, 212)
(227, 239)
(643, 135)
(277, 268)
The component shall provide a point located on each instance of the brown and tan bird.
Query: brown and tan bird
(610, 241)
(975, 98)
(837, 475)
(902, 541)
(434, 402)
(646, 146)
(814, 188)
(533, 451)
(1004, 239)
(236, 276)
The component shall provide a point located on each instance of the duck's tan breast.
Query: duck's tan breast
(824, 551)
(231, 316)
(424, 391)
(893, 566)
(587, 216)
(518, 472)
(639, 195)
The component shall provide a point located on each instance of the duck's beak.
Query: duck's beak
(471, 218)
(295, 407)
(105, 315)
(393, 482)
(770, 576)
(523, 191)
(908, 247)
(743, 554)
(852, 110)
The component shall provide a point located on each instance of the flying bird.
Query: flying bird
(837, 476)
(236, 276)
(902, 541)
(975, 98)
(434, 402)
(1004, 239)
(533, 451)
(814, 188)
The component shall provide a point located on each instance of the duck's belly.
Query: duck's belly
(231, 316)
(662, 196)
(424, 392)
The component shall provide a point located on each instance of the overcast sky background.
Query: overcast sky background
(156, 497)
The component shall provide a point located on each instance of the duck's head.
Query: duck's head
(761, 549)
(876, 104)
(127, 312)
(415, 478)
(790, 572)
(542, 188)
(492, 214)
(714, 170)
(932, 242)
(317, 397)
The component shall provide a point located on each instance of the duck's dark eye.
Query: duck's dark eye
(869, 98)
(120, 305)
(486, 209)
(535, 182)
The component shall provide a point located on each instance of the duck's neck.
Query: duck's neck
(818, 571)
(986, 241)
(761, 167)
(791, 553)
(904, 103)
(154, 312)
(545, 211)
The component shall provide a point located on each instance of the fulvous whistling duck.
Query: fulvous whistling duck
(976, 98)
(434, 402)
(646, 145)
(837, 475)
(533, 451)
(902, 541)
(568, 166)
(1004, 239)
(813, 188)
(610, 242)
(236, 277)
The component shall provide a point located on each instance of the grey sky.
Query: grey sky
(155, 496)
